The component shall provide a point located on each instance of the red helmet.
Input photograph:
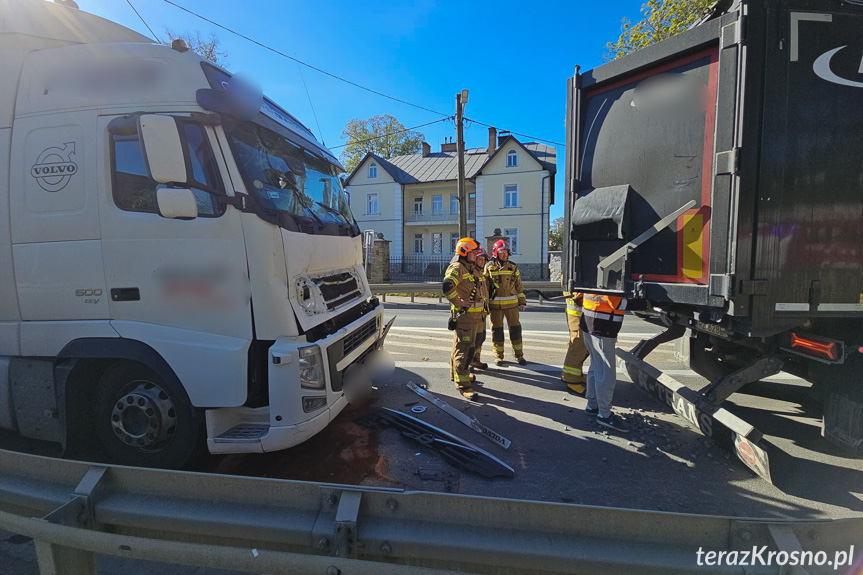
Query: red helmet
(499, 245)
(481, 253)
(465, 245)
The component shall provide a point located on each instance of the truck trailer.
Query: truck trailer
(716, 179)
(179, 264)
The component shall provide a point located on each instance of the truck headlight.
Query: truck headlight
(311, 368)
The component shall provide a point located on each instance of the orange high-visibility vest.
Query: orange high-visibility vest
(603, 314)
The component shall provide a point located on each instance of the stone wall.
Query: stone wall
(378, 266)
(555, 266)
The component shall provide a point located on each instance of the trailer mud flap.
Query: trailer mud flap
(725, 428)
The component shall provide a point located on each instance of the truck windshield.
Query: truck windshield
(287, 179)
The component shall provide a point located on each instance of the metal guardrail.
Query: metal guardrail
(75, 510)
(435, 288)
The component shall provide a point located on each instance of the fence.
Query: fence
(430, 268)
(75, 511)
(418, 268)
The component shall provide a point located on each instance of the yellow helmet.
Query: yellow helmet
(465, 245)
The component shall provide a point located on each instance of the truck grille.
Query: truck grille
(338, 289)
(353, 341)
(345, 346)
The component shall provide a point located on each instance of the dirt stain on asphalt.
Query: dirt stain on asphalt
(343, 452)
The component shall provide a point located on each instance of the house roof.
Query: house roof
(443, 166)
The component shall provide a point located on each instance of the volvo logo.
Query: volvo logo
(54, 167)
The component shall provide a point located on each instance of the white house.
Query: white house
(413, 200)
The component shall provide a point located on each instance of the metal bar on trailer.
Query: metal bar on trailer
(725, 428)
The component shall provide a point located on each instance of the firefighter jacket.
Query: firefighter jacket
(603, 314)
(462, 280)
(507, 284)
(574, 304)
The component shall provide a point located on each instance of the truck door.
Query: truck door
(179, 285)
(54, 215)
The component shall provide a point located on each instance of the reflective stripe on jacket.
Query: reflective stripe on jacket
(573, 304)
(603, 314)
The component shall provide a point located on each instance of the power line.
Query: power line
(309, 96)
(392, 133)
(518, 133)
(144, 21)
(300, 61)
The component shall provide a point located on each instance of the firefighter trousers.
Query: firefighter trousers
(510, 314)
(463, 348)
(480, 339)
(576, 353)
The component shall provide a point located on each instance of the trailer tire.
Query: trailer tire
(143, 420)
(842, 424)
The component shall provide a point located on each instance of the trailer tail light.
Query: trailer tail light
(826, 349)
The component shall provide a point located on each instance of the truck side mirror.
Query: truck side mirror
(163, 149)
(176, 203)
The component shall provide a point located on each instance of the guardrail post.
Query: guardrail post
(78, 512)
(345, 543)
(412, 297)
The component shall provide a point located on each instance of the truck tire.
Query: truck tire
(142, 420)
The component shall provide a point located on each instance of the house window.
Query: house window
(512, 159)
(373, 170)
(418, 243)
(373, 204)
(418, 206)
(453, 205)
(437, 243)
(437, 204)
(511, 235)
(510, 196)
(453, 240)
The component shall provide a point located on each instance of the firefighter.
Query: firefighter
(485, 282)
(461, 286)
(601, 320)
(576, 352)
(507, 302)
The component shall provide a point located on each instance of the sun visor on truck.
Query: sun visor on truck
(601, 214)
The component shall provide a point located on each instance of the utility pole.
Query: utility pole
(460, 101)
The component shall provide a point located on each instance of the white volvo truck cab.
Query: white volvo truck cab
(176, 265)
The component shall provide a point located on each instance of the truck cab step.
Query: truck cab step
(245, 432)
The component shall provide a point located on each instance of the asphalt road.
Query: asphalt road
(559, 454)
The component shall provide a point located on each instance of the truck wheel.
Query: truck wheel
(142, 420)
(843, 418)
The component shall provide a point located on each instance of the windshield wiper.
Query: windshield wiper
(331, 210)
(306, 210)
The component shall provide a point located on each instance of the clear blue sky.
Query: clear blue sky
(514, 57)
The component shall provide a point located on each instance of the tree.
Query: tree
(662, 19)
(555, 235)
(209, 49)
(381, 135)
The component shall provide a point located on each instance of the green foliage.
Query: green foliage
(662, 19)
(207, 48)
(555, 235)
(381, 135)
